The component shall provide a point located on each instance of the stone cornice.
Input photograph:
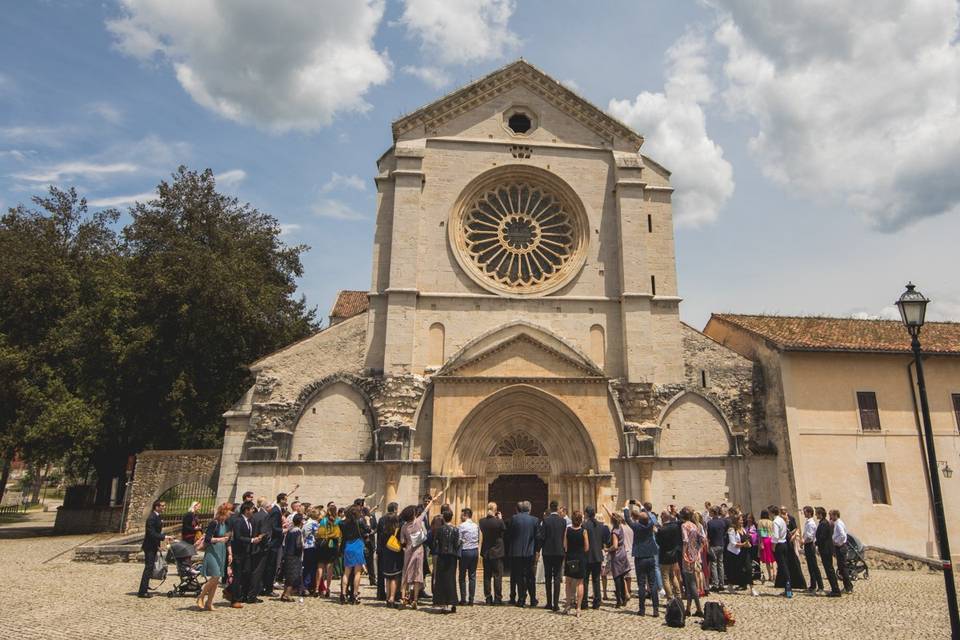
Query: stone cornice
(523, 73)
(520, 379)
(522, 337)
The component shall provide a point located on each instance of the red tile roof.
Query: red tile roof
(349, 304)
(845, 334)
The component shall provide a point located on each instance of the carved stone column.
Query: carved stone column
(391, 479)
(646, 481)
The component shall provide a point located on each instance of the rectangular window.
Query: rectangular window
(649, 223)
(653, 285)
(878, 482)
(956, 408)
(869, 415)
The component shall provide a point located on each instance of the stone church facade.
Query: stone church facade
(521, 336)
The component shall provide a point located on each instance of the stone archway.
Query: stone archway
(521, 430)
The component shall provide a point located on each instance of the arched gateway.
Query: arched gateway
(524, 435)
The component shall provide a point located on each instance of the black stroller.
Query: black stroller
(856, 559)
(188, 572)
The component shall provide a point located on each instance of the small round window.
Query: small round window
(520, 123)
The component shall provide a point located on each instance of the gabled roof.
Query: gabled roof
(457, 365)
(792, 333)
(519, 72)
(350, 303)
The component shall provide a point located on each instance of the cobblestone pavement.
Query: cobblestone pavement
(46, 595)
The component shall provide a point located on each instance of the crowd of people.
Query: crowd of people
(257, 546)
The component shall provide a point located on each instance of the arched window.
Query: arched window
(598, 345)
(435, 345)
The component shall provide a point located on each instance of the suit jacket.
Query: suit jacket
(552, 530)
(523, 533)
(824, 537)
(153, 535)
(240, 543)
(276, 527)
(599, 535)
(261, 526)
(493, 529)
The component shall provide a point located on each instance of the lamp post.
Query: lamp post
(913, 309)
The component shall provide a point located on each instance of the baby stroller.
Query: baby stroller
(856, 559)
(187, 571)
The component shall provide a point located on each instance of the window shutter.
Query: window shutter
(869, 414)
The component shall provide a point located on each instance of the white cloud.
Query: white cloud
(433, 76)
(281, 65)
(107, 111)
(339, 182)
(336, 210)
(673, 124)
(116, 201)
(461, 31)
(571, 84)
(288, 229)
(36, 135)
(230, 178)
(76, 169)
(852, 104)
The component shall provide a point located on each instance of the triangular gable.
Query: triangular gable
(522, 72)
(521, 356)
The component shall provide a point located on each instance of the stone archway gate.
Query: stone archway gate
(158, 471)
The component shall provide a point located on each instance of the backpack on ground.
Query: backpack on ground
(714, 617)
(674, 616)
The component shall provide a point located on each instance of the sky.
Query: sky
(814, 146)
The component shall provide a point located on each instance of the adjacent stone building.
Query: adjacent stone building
(521, 335)
(841, 407)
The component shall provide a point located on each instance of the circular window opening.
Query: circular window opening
(519, 123)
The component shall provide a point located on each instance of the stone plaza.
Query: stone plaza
(46, 595)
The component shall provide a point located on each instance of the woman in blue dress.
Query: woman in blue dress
(352, 529)
(215, 556)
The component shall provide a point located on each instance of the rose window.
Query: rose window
(520, 235)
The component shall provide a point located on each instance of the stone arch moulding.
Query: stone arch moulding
(524, 408)
(291, 417)
(676, 400)
(455, 359)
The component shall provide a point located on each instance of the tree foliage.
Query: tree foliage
(111, 343)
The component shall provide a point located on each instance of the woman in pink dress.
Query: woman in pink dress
(765, 530)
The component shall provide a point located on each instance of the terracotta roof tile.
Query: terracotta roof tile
(845, 334)
(349, 304)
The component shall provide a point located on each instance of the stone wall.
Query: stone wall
(157, 471)
(87, 520)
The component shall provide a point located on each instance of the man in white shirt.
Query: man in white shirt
(810, 550)
(780, 549)
(840, 547)
(469, 554)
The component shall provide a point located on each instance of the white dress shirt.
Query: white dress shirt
(733, 539)
(839, 532)
(810, 530)
(779, 530)
(469, 535)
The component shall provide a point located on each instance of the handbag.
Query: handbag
(417, 538)
(573, 567)
(392, 543)
(160, 568)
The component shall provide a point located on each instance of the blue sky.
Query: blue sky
(814, 152)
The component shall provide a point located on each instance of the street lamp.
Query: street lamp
(913, 310)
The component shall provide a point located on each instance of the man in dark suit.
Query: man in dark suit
(259, 552)
(599, 537)
(275, 546)
(552, 530)
(152, 537)
(241, 540)
(523, 533)
(492, 550)
(824, 542)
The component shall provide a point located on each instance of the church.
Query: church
(521, 336)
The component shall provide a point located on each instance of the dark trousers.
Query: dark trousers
(467, 574)
(270, 568)
(842, 568)
(522, 579)
(258, 565)
(810, 554)
(241, 577)
(826, 557)
(493, 573)
(381, 586)
(620, 588)
(780, 552)
(149, 558)
(310, 562)
(646, 570)
(371, 567)
(592, 575)
(553, 576)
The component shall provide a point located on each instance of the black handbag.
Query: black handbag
(573, 567)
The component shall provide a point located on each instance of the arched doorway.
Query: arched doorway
(509, 489)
